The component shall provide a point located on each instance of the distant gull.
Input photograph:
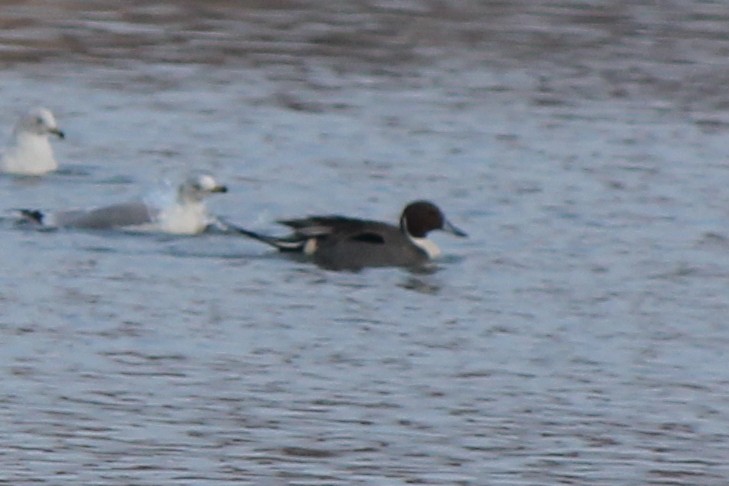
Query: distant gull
(29, 151)
(183, 214)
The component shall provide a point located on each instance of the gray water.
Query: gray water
(579, 336)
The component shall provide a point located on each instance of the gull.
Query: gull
(29, 150)
(185, 214)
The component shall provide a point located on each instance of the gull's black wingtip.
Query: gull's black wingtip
(31, 215)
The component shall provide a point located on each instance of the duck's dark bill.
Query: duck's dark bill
(451, 228)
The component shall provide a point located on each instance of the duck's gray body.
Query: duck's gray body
(343, 243)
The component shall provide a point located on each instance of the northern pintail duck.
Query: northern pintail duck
(29, 151)
(343, 243)
(185, 214)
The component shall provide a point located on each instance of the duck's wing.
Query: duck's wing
(340, 228)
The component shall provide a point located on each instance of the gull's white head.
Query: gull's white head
(39, 121)
(198, 187)
(188, 215)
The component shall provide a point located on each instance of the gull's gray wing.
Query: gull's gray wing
(114, 216)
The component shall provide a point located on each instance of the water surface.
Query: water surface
(577, 337)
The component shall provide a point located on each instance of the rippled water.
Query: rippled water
(579, 336)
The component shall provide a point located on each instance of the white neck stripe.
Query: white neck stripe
(428, 246)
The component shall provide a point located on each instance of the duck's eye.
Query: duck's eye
(39, 120)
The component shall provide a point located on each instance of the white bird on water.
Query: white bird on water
(29, 150)
(185, 214)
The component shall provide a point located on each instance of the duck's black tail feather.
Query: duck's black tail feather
(293, 243)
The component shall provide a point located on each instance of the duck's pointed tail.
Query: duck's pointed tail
(293, 243)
